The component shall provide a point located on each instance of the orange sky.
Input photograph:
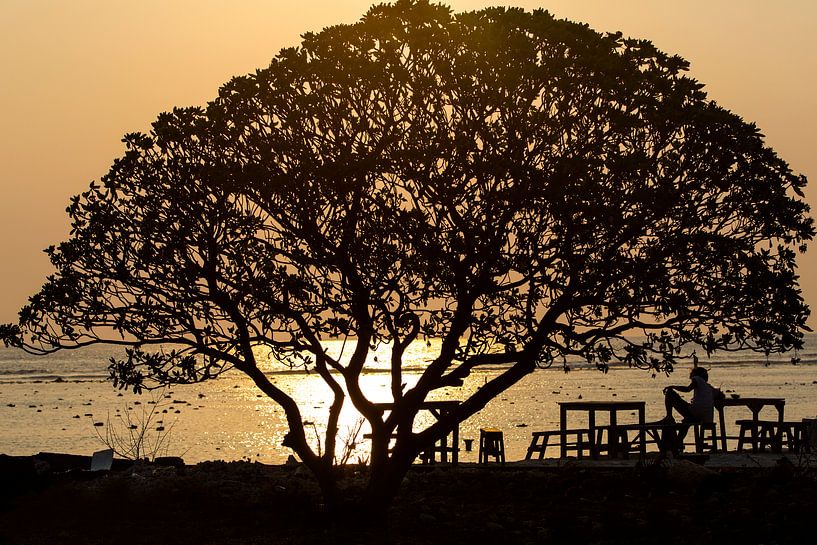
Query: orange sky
(75, 75)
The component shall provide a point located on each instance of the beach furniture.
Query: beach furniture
(664, 436)
(596, 443)
(808, 437)
(491, 444)
(576, 440)
(760, 434)
(706, 436)
(441, 447)
(617, 438)
(752, 427)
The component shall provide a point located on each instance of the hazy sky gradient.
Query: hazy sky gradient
(76, 75)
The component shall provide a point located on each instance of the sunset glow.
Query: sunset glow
(78, 75)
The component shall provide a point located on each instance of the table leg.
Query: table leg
(642, 447)
(612, 436)
(563, 431)
(455, 453)
(722, 421)
(591, 425)
(778, 440)
(755, 429)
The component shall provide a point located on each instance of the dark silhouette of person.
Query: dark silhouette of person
(700, 409)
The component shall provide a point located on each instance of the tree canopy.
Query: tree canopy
(521, 187)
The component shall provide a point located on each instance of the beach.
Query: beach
(52, 404)
(251, 503)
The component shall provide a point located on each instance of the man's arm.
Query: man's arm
(681, 388)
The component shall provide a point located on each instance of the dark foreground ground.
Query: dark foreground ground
(245, 503)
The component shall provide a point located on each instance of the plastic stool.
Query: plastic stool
(491, 443)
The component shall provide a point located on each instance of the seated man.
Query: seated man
(699, 410)
(703, 398)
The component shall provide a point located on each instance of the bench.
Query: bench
(772, 434)
(657, 433)
(429, 456)
(576, 440)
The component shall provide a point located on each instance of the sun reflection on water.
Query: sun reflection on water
(314, 397)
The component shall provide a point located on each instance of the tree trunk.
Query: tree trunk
(385, 479)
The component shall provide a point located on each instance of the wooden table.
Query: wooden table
(438, 409)
(612, 408)
(754, 404)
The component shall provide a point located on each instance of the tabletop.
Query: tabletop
(601, 405)
(751, 401)
(425, 405)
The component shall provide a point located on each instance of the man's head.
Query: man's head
(699, 372)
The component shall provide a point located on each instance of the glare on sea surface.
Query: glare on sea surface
(45, 401)
(314, 397)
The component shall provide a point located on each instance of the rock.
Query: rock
(41, 467)
(686, 473)
(169, 461)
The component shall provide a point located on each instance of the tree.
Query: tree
(520, 187)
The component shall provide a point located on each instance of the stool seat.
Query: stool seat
(491, 444)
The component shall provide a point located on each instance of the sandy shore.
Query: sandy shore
(249, 503)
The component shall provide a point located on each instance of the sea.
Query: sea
(65, 403)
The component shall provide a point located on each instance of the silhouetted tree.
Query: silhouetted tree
(519, 187)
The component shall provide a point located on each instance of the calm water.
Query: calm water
(51, 403)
